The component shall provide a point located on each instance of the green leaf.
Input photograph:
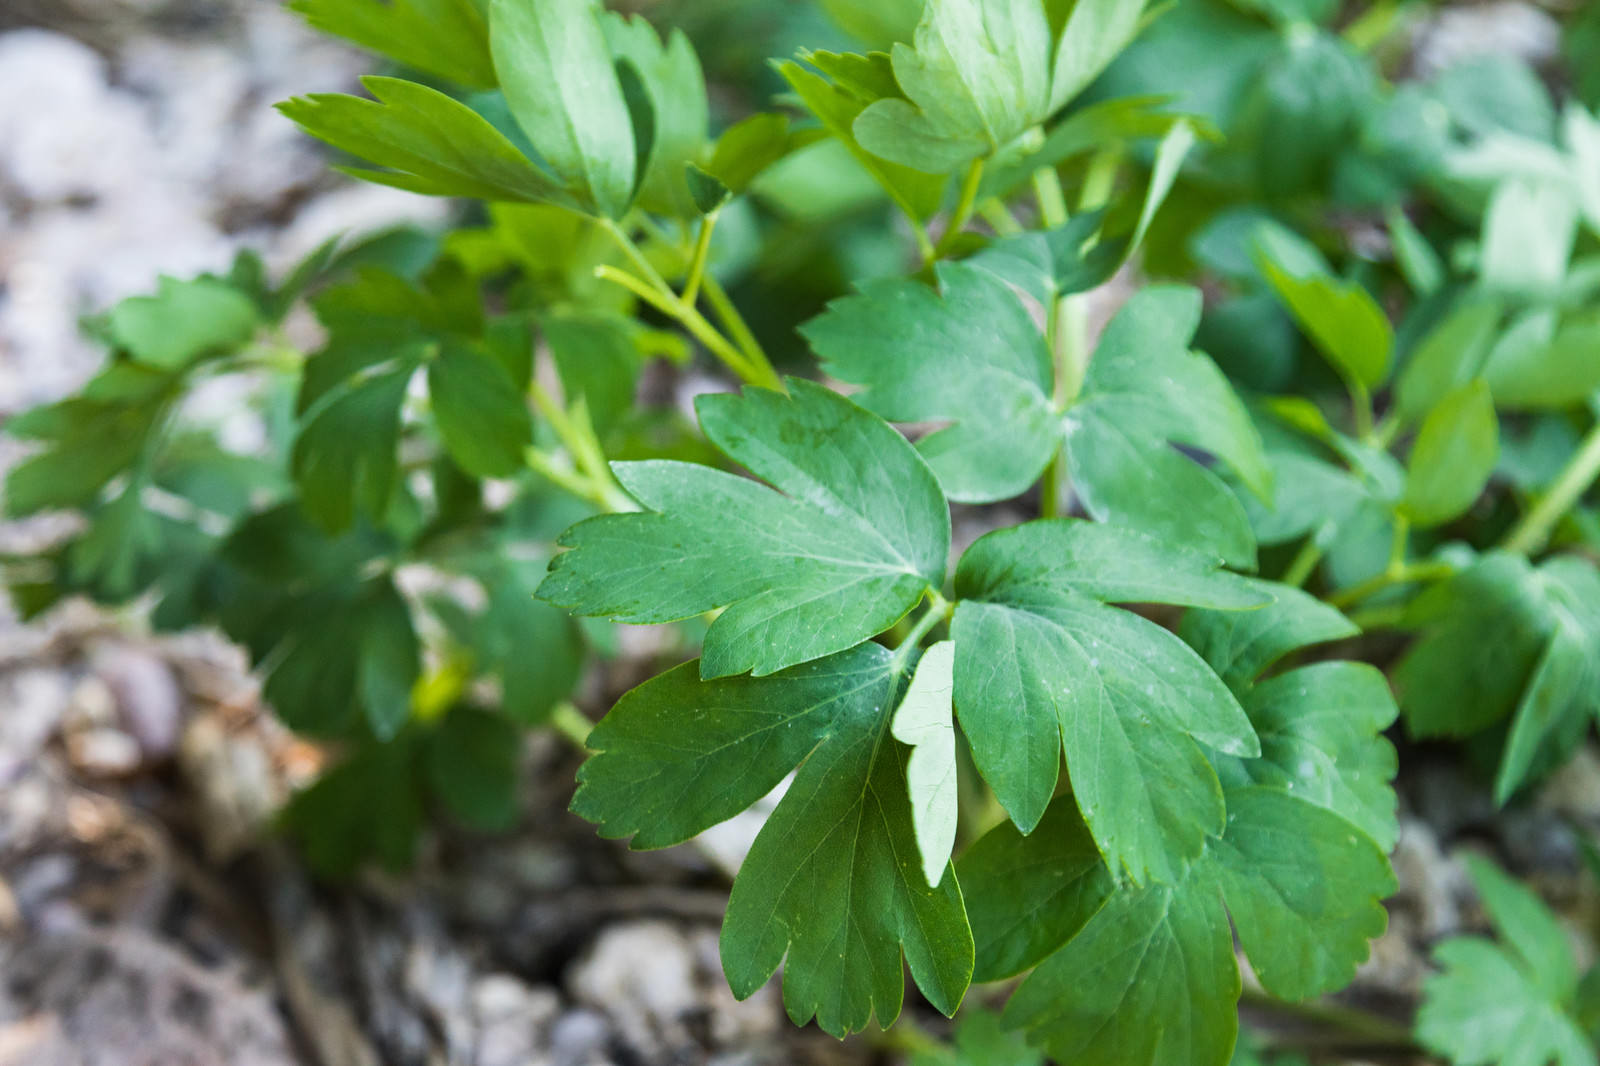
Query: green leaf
(430, 143)
(1343, 321)
(481, 413)
(183, 321)
(390, 659)
(677, 91)
(1304, 889)
(1028, 895)
(968, 354)
(924, 722)
(1478, 659)
(1095, 33)
(854, 535)
(1528, 233)
(1532, 933)
(1321, 730)
(89, 443)
(1560, 696)
(340, 828)
(1484, 1011)
(1454, 454)
(976, 76)
(443, 37)
(916, 193)
(1320, 726)
(1041, 662)
(471, 761)
(707, 193)
(344, 459)
(1546, 369)
(1105, 997)
(1511, 1004)
(1144, 387)
(748, 147)
(833, 880)
(1448, 357)
(1241, 645)
(1047, 264)
(536, 649)
(598, 362)
(558, 78)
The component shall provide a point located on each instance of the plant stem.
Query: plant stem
(592, 479)
(938, 610)
(571, 723)
(1361, 411)
(1533, 530)
(651, 287)
(732, 321)
(1356, 1028)
(1000, 219)
(1410, 574)
(1370, 618)
(964, 207)
(697, 262)
(1052, 201)
(1302, 565)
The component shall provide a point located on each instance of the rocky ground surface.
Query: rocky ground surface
(147, 913)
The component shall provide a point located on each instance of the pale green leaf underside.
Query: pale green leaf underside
(926, 724)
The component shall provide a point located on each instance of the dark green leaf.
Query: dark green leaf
(345, 458)
(855, 534)
(481, 414)
(1042, 662)
(471, 762)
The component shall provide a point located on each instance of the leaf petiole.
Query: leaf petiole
(1533, 529)
(697, 263)
(964, 208)
(939, 610)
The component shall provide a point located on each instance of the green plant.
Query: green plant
(1091, 747)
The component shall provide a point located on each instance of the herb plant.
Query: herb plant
(1090, 749)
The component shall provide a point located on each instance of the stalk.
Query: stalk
(1533, 530)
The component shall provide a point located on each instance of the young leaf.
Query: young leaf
(482, 416)
(1041, 661)
(968, 354)
(833, 880)
(1532, 369)
(1028, 895)
(916, 193)
(924, 722)
(430, 143)
(1528, 233)
(1095, 33)
(977, 75)
(1450, 356)
(676, 88)
(443, 37)
(558, 78)
(1343, 321)
(1491, 1005)
(1453, 456)
(854, 535)
(183, 321)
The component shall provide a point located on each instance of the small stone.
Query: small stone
(104, 752)
(579, 1038)
(148, 699)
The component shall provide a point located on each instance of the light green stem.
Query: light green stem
(1303, 564)
(964, 207)
(732, 321)
(938, 611)
(1533, 530)
(1416, 573)
(1052, 201)
(697, 264)
(571, 723)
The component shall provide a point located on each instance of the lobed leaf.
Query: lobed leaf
(851, 535)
